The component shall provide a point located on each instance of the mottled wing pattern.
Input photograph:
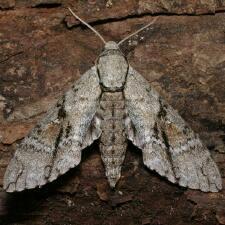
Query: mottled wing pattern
(169, 145)
(54, 145)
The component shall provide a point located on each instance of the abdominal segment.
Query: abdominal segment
(113, 141)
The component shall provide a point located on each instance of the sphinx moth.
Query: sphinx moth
(112, 102)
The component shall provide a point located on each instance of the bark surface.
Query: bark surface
(44, 50)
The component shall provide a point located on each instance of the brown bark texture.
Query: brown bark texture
(43, 50)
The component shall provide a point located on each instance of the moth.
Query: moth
(112, 102)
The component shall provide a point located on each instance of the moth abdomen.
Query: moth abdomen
(113, 139)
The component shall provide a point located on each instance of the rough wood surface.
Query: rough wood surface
(44, 49)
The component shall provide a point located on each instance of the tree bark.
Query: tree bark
(44, 50)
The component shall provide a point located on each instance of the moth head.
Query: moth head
(111, 45)
(112, 67)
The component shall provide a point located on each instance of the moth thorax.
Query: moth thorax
(112, 69)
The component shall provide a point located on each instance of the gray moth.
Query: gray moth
(112, 102)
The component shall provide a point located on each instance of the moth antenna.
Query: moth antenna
(89, 26)
(129, 36)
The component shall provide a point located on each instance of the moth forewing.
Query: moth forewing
(169, 145)
(54, 145)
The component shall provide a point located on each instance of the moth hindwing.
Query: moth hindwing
(114, 103)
